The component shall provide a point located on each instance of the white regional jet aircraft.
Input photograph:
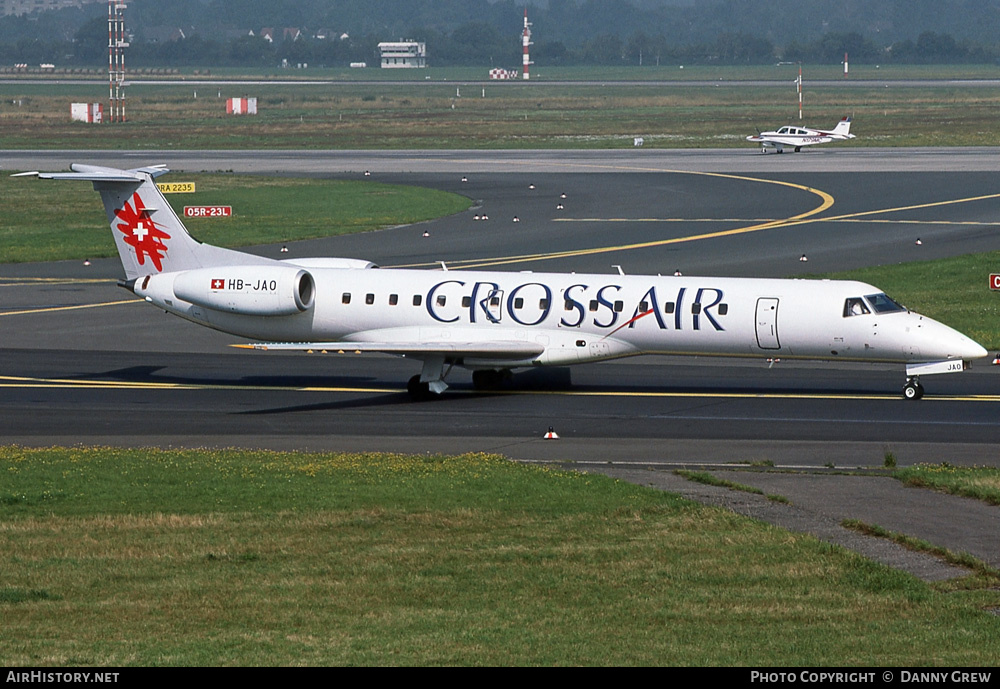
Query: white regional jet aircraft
(797, 137)
(492, 322)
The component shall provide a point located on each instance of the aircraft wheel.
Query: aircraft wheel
(418, 391)
(490, 379)
(798, 149)
(913, 390)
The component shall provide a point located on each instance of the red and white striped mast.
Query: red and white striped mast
(525, 42)
(798, 86)
(116, 60)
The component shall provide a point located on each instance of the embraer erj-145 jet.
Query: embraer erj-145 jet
(493, 322)
(797, 137)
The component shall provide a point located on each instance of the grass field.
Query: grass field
(115, 557)
(981, 483)
(455, 109)
(44, 221)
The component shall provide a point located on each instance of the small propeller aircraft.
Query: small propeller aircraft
(490, 322)
(797, 137)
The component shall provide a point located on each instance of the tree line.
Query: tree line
(482, 45)
(487, 32)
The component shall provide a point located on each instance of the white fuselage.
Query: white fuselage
(582, 317)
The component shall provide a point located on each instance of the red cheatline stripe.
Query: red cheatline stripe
(627, 323)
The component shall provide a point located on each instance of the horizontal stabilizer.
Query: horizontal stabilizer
(95, 173)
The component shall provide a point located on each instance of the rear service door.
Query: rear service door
(767, 323)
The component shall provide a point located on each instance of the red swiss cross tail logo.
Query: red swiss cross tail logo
(141, 233)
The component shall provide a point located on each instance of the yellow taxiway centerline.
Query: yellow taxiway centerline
(62, 383)
(48, 309)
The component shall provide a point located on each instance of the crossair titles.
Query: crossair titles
(482, 305)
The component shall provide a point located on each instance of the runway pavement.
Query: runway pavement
(84, 362)
(840, 158)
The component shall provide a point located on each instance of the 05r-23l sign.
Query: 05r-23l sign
(208, 211)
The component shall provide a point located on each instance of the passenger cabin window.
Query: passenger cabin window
(393, 299)
(417, 299)
(883, 304)
(466, 302)
(369, 298)
(346, 299)
(668, 307)
(723, 309)
(855, 306)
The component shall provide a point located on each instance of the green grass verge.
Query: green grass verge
(981, 483)
(45, 221)
(711, 480)
(709, 107)
(144, 557)
(982, 574)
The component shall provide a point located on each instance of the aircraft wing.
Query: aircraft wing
(791, 141)
(515, 350)
(771, 140)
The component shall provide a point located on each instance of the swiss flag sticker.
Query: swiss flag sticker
(218, 283)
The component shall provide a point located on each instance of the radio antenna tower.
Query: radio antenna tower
(116, 59)
(525, 42)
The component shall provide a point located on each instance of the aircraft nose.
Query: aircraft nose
(973, 350)
(944, 342)
(959, 346)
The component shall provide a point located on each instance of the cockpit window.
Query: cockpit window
(855, 306)
(883, 304)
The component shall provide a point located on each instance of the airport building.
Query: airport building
(400, 54)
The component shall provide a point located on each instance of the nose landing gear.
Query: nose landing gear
(913, 390)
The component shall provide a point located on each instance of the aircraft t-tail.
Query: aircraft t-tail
(491, 322)
(797, 137)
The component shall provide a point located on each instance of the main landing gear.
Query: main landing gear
(430, 382)
(913, 390)
(487, 379)
(418, 390)
(490, 379)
